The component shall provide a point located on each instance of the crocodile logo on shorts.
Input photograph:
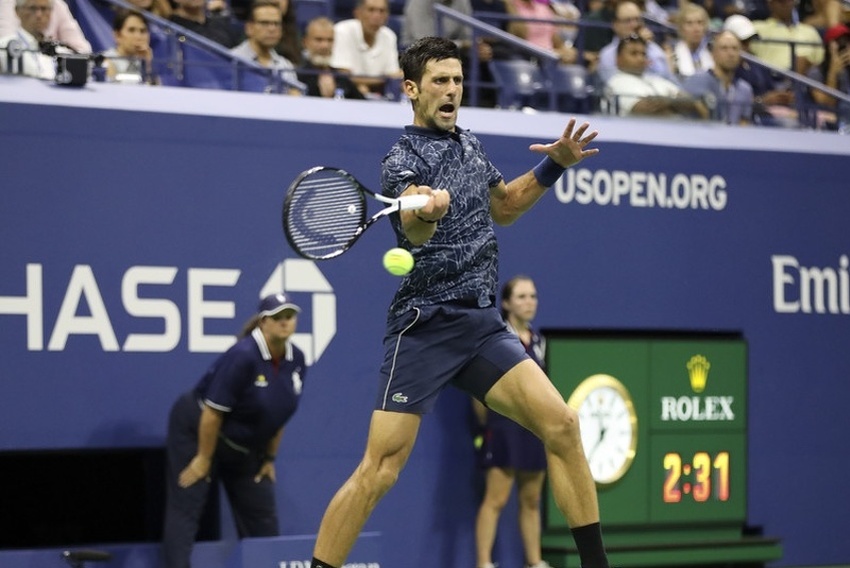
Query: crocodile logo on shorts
(400, 398)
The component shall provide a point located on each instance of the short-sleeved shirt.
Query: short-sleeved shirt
(779, 54)
(279, 62)
(460, 262)
(351, 52)
(624, 90)
(538, 33)
(257, 395)
(32, 62)
(728, 105)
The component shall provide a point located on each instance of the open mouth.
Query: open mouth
(447, 108)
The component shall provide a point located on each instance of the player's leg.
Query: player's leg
(526, 395)
(497, 491)
(390, 441)
(529, 490)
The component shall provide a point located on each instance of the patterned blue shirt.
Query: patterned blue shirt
(460, 262)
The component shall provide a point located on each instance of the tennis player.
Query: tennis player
(228, 428)
(443, 326)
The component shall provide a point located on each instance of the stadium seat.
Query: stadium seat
(572, 86)
(307, 10)
(520, 83)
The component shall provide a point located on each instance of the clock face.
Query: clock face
(608, 426)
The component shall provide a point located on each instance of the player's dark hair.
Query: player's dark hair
(508, 290)
(416, 57)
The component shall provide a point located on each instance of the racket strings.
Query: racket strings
(325, 211)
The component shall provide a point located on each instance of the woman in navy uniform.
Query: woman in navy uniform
(508, 451)
(228, 428)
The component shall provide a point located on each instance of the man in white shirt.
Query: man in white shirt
(633, 90)
(34, 16)
(628, 20)
(366, 48)
(62, 26)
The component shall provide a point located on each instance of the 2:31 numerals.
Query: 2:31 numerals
(706, 473)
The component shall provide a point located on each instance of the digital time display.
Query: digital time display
(705, 477)
(698, 477)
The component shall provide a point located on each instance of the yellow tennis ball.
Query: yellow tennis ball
(398, 261)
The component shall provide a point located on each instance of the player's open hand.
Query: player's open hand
(571, 147)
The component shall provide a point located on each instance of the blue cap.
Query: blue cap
(271, 305)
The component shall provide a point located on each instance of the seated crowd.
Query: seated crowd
(721, 60)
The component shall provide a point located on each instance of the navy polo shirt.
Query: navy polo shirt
(257, 397)
(460, 262)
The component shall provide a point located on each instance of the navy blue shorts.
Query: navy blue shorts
(427, 348)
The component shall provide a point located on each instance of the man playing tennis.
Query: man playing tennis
(443, 325)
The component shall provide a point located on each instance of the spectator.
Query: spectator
(768, 93)
(834, 72)
(690, 52)
(316, 72)
(131, 60)
(62, 27)
(192, 15)
(633, 90)
(366, 48)
(596, 37)
(545, 35)
(783, 29)
(34, 16)
(263, 30)
(628, 21)
(161, 8)
(290, 44)
(420, 21)
(728, 98)
(717, 10)
(822, 14)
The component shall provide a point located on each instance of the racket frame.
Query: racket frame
(393, 205)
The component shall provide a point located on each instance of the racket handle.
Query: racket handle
(408, 202)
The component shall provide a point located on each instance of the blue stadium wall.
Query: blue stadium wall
(138, 226)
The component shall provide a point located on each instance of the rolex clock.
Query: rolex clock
(609, 430)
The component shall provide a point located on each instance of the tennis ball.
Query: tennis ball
(398, 261)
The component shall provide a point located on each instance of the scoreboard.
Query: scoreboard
(664, 428)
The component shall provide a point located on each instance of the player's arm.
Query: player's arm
(208, 428)
(509, 201)
(420, 225)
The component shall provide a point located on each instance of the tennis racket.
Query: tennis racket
(324, 212)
